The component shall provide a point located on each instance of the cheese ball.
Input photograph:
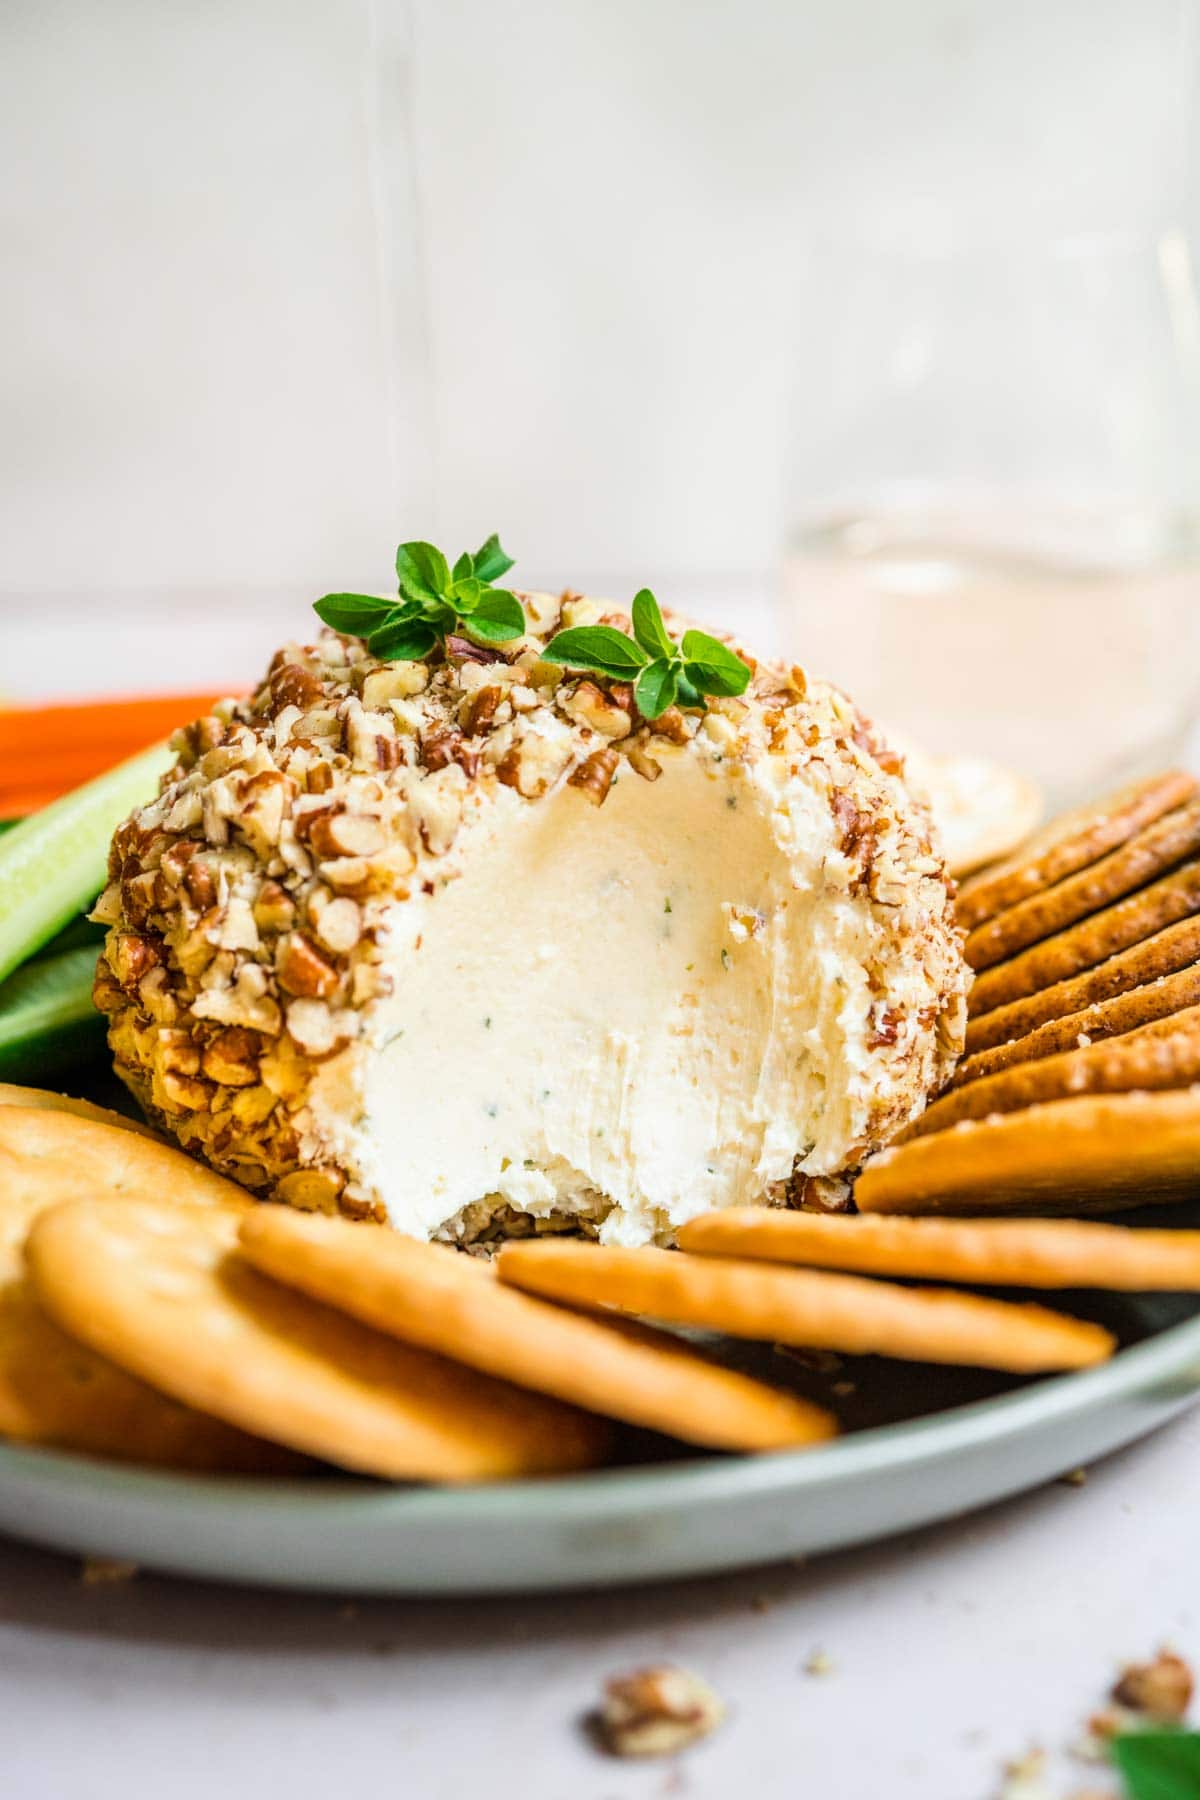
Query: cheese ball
(469, 946)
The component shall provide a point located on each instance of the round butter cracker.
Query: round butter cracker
(56, 1391)
(1119, 1066)
(163, 1294)
(443, 1300)
(1171, 1003)
(1168, 952)
(1082, 946)
(806, 1307)
(1092, 1153)
(1069, 843)
(1049, 1253)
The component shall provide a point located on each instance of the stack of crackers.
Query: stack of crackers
(150, 1310)
(1078, 1091)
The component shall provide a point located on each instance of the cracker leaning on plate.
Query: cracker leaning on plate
(1095, 1153)
(431, 1295)
(1044, 1253)
(806, 1308)
(161, 1293)
(53, 1389)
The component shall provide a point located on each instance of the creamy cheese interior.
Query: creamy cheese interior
(637, 1012)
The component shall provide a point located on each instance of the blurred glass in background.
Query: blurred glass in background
(997, 531)
(993, 537)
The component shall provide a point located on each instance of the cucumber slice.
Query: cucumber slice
(47, 1020)
(52, 865)
(74, 936)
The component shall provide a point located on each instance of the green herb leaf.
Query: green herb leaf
(689, 694)
(464, 566)
(403, 640)
(648, 627)
(1159, 1765)
(422, 570)
(656, 688)
(355, 614)
(497, 619)
(712, 666)
(466, 593)
(490, 561)
(599, 647)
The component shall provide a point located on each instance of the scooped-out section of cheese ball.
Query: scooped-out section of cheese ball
(470, 946)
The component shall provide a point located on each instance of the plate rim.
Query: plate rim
(702, 1480)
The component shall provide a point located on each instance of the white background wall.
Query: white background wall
(287, 279)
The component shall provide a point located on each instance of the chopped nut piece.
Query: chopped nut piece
(317, 1029)
(595, 776)
(596, 710)
(671, 725)
(396, 681)
(274, 908)
(182, 1093)
(232, 1058)
(480, 709)
(294, 686)
(346, 834)
(130, 956)
(242, 1004)
(1161, 1689)
(657, 1711)
(302, 970)
(312, 1190)
(578, 609)
(640, 759)
(339, 926)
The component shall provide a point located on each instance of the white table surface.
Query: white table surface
(953, 1650)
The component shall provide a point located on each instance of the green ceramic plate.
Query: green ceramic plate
(923, 1444)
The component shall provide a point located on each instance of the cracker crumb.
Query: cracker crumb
(1073, 1478)
(103, 1571)
(656, 1712)
(1025, 1779)
(1160, 1690)
(819, 1662)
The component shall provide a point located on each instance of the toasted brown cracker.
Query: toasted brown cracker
(1170, 1003)
(64, 1156)
(799, 1306)
(1159, 847)
(45, 1099)
(1047, 1253)
(1131, 921)
(55, 1391)
(431, 1295)
(160, 1291)
(1069, 843)
(1095, 1153)
(1118, 1066)
(1166, 953)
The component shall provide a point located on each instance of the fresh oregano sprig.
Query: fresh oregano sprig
(664, 673)
(434, 602)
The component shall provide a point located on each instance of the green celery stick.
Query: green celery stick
(52, 865)
(47, 1020)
